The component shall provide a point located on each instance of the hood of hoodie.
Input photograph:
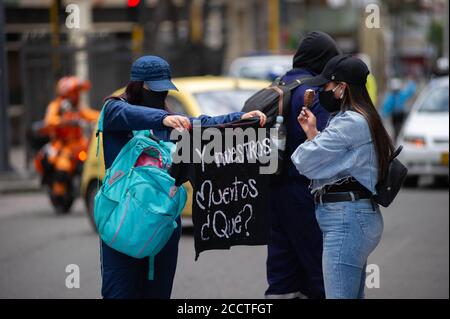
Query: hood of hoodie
(314, 52)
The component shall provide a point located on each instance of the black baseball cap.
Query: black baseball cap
(341, 68)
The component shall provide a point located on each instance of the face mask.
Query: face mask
(154, 99)
(329, 102)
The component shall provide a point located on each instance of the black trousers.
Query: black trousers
(294, 261)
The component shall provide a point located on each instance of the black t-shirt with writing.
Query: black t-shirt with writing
(230, 195)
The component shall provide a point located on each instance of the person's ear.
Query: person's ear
(338, 91)
(343, 86)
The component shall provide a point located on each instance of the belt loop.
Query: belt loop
(372, 201)
(352, 195)
(320, 199)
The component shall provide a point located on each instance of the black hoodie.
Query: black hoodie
(314, 51)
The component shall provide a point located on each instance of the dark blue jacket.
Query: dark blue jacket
(295, 133)
(121, 118)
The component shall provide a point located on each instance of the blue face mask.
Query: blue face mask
(328, 101)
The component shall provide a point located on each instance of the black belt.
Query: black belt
(340, 197)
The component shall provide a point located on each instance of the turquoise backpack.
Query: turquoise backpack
(136, 208)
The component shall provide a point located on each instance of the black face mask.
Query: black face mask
(154, 99)
(329, 102)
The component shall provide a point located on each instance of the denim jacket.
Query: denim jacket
(342, 151)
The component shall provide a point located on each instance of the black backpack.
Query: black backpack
(273, 100)
(388, 188)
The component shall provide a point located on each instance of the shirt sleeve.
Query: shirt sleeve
(388, 105)
(89, 114)
(52, 118)
(121, 116)
(410, 90)
(326, 154)
(215, 120)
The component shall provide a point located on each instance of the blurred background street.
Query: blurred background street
(221, 52)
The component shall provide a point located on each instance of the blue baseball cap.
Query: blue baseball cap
(154, 72)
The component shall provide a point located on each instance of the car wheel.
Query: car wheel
(411, 181)
(89, 201)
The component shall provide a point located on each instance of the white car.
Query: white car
(425, 134)
(262, 67)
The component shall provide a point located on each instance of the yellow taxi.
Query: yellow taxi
(210, 95)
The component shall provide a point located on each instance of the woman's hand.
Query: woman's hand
(177, 122)
(308, 123)
(261, 115)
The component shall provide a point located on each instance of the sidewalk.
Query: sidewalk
(19, 179)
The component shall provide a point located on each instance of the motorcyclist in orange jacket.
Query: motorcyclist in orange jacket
(64, 122)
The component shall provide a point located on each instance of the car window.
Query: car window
(263, 71)
(215, 103)
(435, 101)
(253, 72)
(175, 106)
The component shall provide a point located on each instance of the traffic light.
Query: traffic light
(133, 3)
(136, 9)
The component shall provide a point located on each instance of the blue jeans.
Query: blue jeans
(125, 277)
(351, 231)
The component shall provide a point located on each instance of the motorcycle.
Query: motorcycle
(54, 148)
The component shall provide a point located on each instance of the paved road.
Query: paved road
(36, 246)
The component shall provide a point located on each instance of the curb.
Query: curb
(19, 183)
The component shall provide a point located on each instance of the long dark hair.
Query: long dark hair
(132, 94)
(357, 99)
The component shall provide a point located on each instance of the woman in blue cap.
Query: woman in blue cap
(345, 162)
(142, 106)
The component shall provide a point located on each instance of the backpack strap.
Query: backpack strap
(100, 129)
(281, 99)
(297, 82)
(97, 135)
(147, 133)
(285, 102)
(396, 152)
(151, 267)
(151, 259)
(100, 126)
